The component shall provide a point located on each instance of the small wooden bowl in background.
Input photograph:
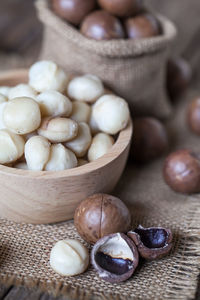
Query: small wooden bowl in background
(47, 197)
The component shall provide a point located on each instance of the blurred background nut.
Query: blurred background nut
(60, 158)
(4, 90)
(179, 75)
(193, 115)
(54, 104)
(46, 75)
(80, 112)
(73, 11)
(58, 130)
(121, 8)
(153, 242)
(149, 141)
(22, 115)
(85, 88)
(115, 257)
(82, 142)
(93, 124)
(100, 145)
(142, 26)
(100, 215)
(11, 146)
(182, 171)
(22, 90)
(100, 25)
(37, 152)
(3, 98)
(69, 257)
(111, 113)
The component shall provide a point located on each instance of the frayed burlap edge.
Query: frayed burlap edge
(184, 279)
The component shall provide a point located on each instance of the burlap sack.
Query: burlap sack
(133, 69)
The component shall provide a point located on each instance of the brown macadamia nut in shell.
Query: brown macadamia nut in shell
(73, 11)
(142, 26)
(100, 215)
(121, 8)
(193, 115)
(179, 75)
(150, 139)
(100, 25)
(182, 171)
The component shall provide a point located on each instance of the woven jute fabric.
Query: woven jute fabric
(134, 69)
(25, 248)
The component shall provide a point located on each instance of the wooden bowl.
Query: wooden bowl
(46, 197)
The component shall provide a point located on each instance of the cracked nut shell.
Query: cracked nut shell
(182, 171)
(153, 242)
(115, 257)
(100, 215)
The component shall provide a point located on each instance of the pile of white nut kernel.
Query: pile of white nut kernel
(58, 122)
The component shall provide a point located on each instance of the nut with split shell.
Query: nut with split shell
(152, 242)
(115, 257)
(100, 215)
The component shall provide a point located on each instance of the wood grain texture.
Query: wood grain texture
(47, 197)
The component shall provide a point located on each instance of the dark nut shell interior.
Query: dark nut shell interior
(153, 242)
(100, 25)
(115, 257)
(100, 215)
(182, 171)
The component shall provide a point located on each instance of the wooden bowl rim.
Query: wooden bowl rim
(122, 142)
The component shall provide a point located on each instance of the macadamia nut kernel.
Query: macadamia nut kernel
(58, 130)
(86, 88)
(46, 75)
(80, 112)
(54, 104)
(82, 142)
(22, 90)
(4, 90)
(100, 145)
(3, 98)
(2, 106)
(111, 113)
(22, 115)
(69, 257)
(61, 158)
(37, 152)
(11, 146)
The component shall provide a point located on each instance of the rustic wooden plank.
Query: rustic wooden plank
(22, 293)
(4, 291)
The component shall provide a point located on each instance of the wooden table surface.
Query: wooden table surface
(21, 33)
